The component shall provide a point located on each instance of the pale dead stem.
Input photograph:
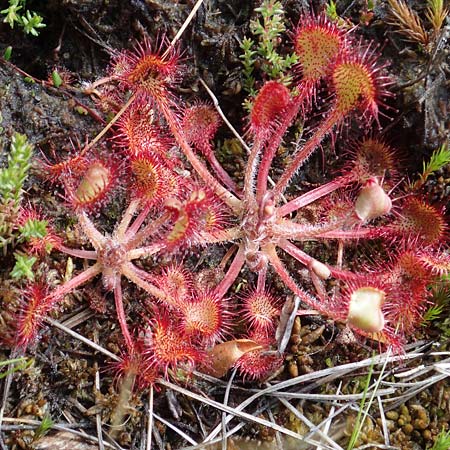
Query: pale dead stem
(59, 427)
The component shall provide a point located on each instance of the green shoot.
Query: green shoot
(431, 314)
(359, 423)
(248, 62)
(15, 365)
(437, 312)
(331, 11)
(438, 159)
(267, 32)
(442, 442)
(46, 424)
(23, 267)
(33, 228)
(56, 79)
(7, 53)
(30, 21)
(12, 178)
(436, 14)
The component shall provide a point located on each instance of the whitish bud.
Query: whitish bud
(372, 201)
(320, 269)
(365, 309)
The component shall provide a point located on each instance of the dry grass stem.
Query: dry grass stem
(408, 22)
(176, 429)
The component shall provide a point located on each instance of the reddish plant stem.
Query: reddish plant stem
(118, 299)
(138, 276)
(150, 229)
(270, 251)
(126, 219)
(138, 221)
(145, 251)
(233, 202)
(358, 233)
(78, 280)
(312, 196)
(232, 273)
(296, 253)
(251, 168)
(218, 169)
(305, 90)
(261, 283)
(345, 275)
(85, 254)
(97, 239)
(333, 118)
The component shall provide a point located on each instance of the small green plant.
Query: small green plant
(438, 160)
(29, 21)
(44, 427)
(17, 224)
(14, 365)
(331, 11)
(431, 314)
(13, 176)
(409, 24)
(442, 442)
(360, 418)
(441, 302)
(267, 30)
(23, 267)
(12, 179)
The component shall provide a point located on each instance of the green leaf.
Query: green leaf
(43, 428)
(11, 13)
(23, 267)
(31, 22)
(442, 441)
(13, 176)
(34, 228)
(56, 78)
(439, 159)
(331, 11)
(16, 365)
(7, 53)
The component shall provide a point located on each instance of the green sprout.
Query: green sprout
(12, 179)
(360, 419)
(263, 48)
(331, 11)
(23, 267)
(442, 441)
(437, 312)
(29, 21)
(44, 427)
(439, 158)
(33, 228)
(15, 365)
(56, 78)
(13, 176)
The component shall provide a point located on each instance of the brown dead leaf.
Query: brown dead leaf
(223, 356)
